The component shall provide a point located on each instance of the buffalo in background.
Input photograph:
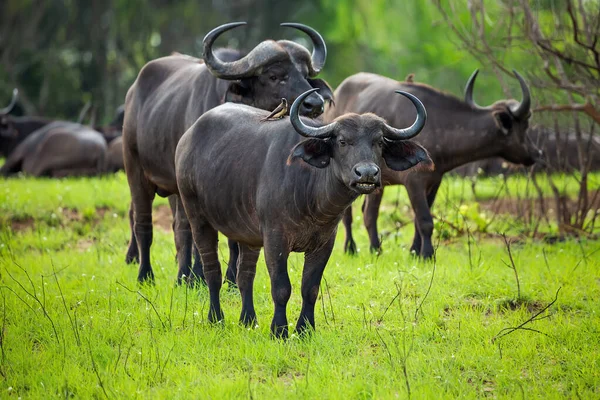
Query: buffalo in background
(560, 154)
(13, 130)
(458, 132)
(42, 147)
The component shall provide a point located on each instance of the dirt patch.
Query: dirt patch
(162, 218)
(84, 244)
(21, 224)
(522, 207)
(532, 306)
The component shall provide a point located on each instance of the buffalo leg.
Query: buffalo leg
(207, 240)
(184, 244)
(246, 271)
(417, 243)
(276, 256)
(133, 254)
(314, 265)
(232, 269)
(370, 215)
(349, 244)
(142, 195)
(423, 220)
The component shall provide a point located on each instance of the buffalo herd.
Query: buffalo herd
(199, 131)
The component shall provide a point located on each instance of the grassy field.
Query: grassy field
(74, 323)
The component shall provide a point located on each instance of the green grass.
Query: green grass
(74, 323)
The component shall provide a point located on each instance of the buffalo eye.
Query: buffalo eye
(342, 142)
(273, 77)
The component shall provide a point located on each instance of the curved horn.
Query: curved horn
(15, 96)
(319, 54)
(392, 133)
(522, 109)
(224, 70)
(322, 132)
(469, 92)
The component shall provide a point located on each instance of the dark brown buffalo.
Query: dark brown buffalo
(457, 132)
(59, 149)
(13, 130)
(172, 92)
(278, 190)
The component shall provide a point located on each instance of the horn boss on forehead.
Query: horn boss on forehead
(267, 51)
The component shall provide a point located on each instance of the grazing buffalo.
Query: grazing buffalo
(284, 193)
(59, 149)
(13, 130)
(172, 92)
(458, 132)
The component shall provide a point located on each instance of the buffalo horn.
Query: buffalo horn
(15, 96)
(522, 110)
(392, 133)
(321, 132)
(319, 54)
(469, 91)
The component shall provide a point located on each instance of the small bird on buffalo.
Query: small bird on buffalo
(410, 78)
(278, 112)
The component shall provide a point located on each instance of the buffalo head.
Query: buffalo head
(356, 145)
(6, 127)
(273, 70)
(510, 120)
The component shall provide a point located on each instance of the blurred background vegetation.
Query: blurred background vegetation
(62, 54)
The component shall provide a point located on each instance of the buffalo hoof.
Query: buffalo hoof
(216, 316)
(248, 320)
(230, 279)
(376, 250)
(350, 247)
(146, 278)
(279, 332)
(304, 329)
(132, 257)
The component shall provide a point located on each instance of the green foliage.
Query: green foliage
(63, 53)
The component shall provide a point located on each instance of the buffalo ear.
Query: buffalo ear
(503, 121)
(324, 89)
(236, 92)
(401, 155)
(316, 152)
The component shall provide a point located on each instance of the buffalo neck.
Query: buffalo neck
(324, 196)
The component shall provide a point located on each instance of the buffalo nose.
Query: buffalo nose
(367, 171)
(313, 106)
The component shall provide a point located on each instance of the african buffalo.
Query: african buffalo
(275, 201)
(13, 130)
(59, 149)
(172, 92)
(457, 132)
(560, 154)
